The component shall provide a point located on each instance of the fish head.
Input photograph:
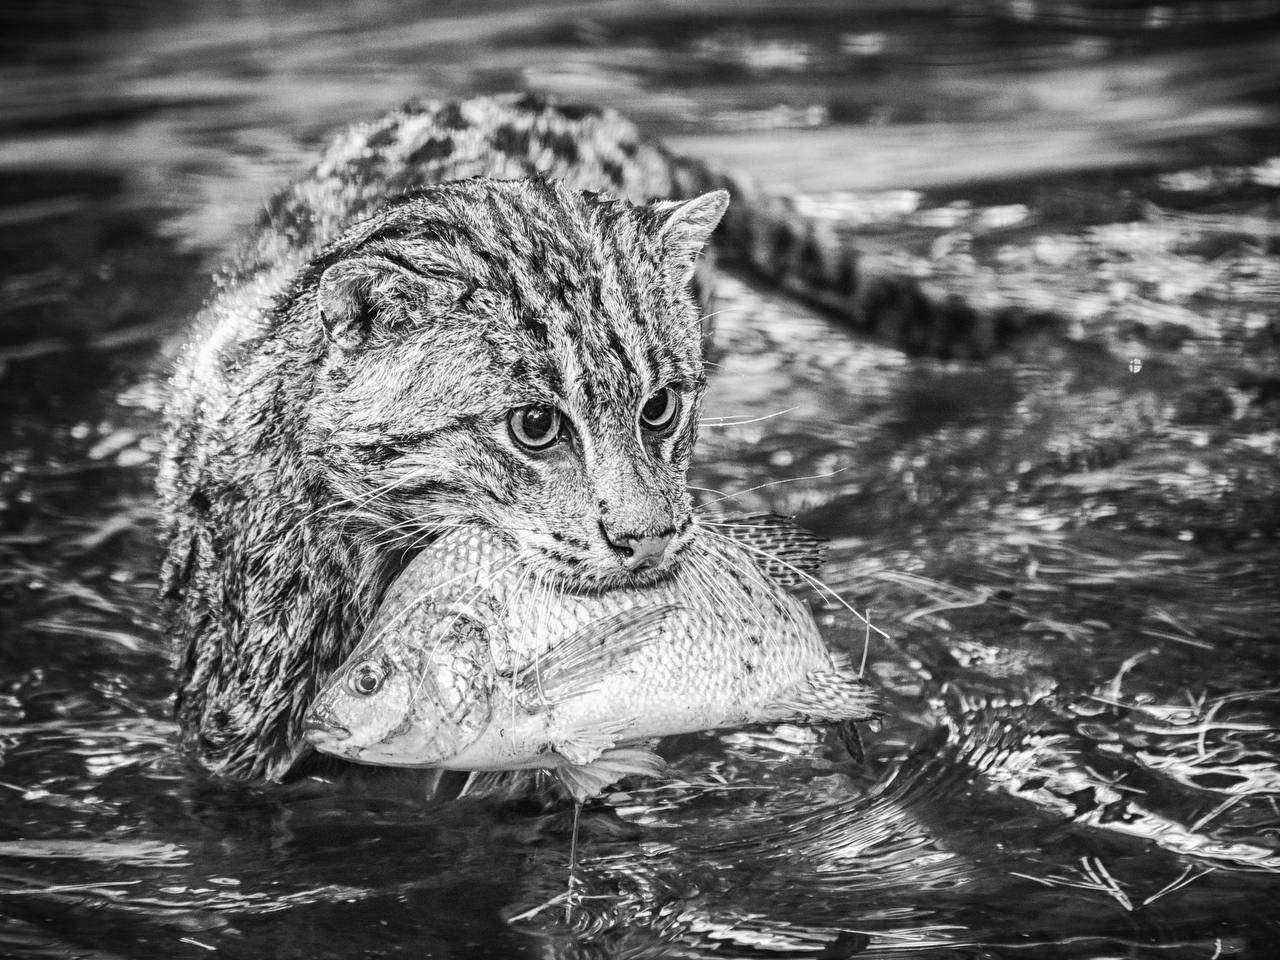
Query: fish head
(412, 700)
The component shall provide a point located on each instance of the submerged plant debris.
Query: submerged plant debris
(1071, 547)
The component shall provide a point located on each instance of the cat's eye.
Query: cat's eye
(366, 679)
(660, 411)
(535, 427)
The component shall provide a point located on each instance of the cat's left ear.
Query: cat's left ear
(687, 225)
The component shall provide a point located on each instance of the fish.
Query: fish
(474, 662)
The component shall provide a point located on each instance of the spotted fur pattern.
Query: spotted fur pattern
(347, 389)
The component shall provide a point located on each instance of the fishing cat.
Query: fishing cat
(468, 312)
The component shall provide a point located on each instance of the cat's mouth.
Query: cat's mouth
(606, 570)
(571, 563)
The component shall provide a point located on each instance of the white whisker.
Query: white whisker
(807, 577)
(866, 646)
(720, 493)
(771, 483)
(711, 587)
(372, 495)
(747, 573)
(735, 422)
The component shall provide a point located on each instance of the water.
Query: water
(1076, 565)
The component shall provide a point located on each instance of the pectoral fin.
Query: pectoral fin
(584, 746)
(589, 780)
(574, 665)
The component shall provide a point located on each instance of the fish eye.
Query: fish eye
(535, 427)
(366, 679)
(661, 411)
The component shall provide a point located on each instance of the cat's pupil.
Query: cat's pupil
(659, 410)
(535, 427)
(537, 422)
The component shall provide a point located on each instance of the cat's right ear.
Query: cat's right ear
(369, 296)
(353, 296)
(364, 297)
(687, 227)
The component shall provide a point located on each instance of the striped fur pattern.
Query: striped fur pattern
(516, 136)
(346, 393)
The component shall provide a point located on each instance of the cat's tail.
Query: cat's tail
(822, 264)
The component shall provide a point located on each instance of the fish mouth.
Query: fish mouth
(323, 734)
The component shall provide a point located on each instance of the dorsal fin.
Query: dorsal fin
(787, 550)
(574, 665)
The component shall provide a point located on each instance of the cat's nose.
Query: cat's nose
(637, 553)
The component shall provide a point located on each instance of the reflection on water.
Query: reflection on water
(1076, 564)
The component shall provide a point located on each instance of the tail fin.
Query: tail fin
(829, 696)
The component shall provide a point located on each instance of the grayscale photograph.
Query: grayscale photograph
(618, 480)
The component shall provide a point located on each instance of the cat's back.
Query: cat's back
(426, 143)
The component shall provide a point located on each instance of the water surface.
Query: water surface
(1075, 564)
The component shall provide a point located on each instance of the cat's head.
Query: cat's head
(522, 355)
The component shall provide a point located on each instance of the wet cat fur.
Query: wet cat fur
(339, 409)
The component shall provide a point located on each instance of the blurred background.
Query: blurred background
(1072, 545)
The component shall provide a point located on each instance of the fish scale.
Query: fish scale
(478, 666)
(699, 670)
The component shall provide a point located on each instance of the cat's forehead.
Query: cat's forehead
(584, 300)
(573, 294)
(595, 362)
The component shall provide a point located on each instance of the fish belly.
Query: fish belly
(703, 670)
(512, 742)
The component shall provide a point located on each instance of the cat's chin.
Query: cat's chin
(592, 574)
